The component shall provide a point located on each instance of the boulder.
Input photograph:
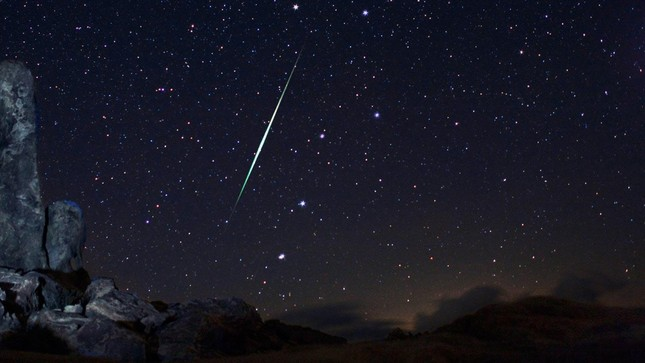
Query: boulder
(22, 219)
(23, 294)
(90, 337)
(65, 236)
(104, 300)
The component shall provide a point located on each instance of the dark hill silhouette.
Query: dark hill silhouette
(535, 329)
(550, 328)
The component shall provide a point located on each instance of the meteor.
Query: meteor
(266, 133)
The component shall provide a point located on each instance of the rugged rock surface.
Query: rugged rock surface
(65, 237)
(21, 213)
(98, 322)
(92, 337)
(104, 300)
(102, 321)
(25, 294)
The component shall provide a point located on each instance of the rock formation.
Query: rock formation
(27, 240)
(49, 303)
(65, 237)
(98, 320)
(22, 219)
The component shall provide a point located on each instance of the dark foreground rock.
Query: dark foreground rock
(54, 313)
(22, 294)
(209, 328)
(91, 337)
(227, 327)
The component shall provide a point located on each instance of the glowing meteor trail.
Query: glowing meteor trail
(266, 133)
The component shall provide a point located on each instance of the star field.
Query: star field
(422, 149)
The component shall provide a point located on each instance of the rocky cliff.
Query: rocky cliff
(22, 219)
(49, 303)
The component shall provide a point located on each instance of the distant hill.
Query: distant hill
(533, 329)
(548, 328)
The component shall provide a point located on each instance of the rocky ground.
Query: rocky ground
(537, 329)
(71, 314)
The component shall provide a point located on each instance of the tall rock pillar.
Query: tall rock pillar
(22, 220)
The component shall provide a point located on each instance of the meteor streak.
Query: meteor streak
(266, 133)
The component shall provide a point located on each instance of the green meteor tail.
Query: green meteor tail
(266, 133)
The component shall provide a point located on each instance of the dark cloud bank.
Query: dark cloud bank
(453, 308)
(345, 319)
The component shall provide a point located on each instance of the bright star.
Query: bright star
(322, 136)
(377, 114)
(365, 12)
(296, 6)
(281, 256)
(302, 203)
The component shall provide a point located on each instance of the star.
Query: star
(302, 204)
(365, 12)
(377, 114)
(296, 6)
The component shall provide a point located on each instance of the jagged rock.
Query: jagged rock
(91, 337)
(65, 236)
(97, 319)
(105, 300)
(76, 281)
(19, 297)
(210, 328)
(51, 294)
(21, 213)
(23, 294)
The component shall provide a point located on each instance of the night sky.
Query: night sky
(426, 154)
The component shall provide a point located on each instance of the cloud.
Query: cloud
(588, 289)
(630, 296)
(343, 319)
(453, 308)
